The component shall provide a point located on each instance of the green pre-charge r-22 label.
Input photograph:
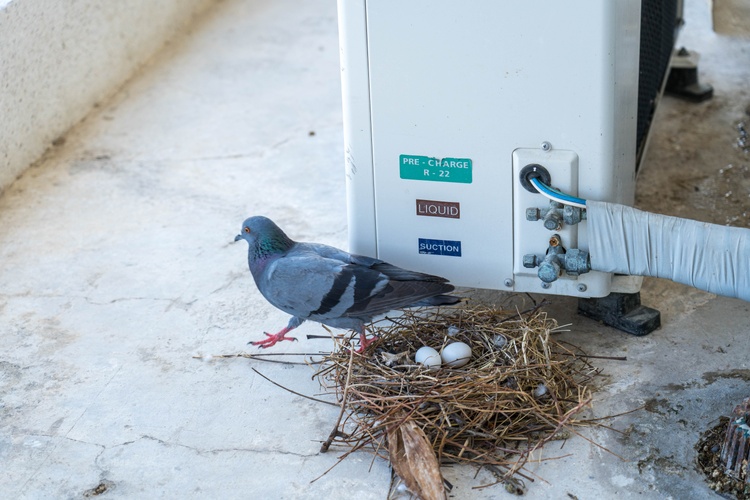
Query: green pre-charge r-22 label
(425, 168)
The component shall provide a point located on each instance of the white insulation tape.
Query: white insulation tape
(706, 256)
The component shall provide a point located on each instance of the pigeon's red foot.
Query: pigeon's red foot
(273, 338)
(364, 343)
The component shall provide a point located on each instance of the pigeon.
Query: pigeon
(317, 282)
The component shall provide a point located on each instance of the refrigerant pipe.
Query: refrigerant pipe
(629, 241)
(710, 257)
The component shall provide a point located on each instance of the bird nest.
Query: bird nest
(520, 389)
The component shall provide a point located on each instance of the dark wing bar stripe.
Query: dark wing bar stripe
(333, 297)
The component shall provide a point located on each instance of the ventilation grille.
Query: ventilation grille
(658, 26)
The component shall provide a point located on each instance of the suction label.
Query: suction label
(440, 247)
(425, 168)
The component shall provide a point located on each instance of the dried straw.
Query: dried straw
(521, 388)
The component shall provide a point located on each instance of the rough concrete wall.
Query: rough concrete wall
(58, 59)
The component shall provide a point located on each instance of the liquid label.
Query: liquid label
(432, 208)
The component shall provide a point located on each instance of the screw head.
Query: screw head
(546, 285)
(509, 282)
(581, 287)
(546, 146)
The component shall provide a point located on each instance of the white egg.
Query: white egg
(428, 357)
(456, 354)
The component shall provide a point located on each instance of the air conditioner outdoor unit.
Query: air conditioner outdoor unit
(446, 102)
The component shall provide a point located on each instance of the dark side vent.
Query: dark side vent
(658, 27)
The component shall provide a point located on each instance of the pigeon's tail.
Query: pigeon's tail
(438, 300)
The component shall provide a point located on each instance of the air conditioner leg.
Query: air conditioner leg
(683, 78)
(622, 311)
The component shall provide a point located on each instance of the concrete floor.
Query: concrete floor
(118, 267)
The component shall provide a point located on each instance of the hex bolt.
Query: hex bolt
(549, 269)
(573, 215)
(533, 214)
(581, 287)
(509, 282)
(577, 262)
(530, 261)
(552, 221)
(546, 146)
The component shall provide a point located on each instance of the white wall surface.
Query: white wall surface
(58, 58)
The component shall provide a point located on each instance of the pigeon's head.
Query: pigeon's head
(264, 237)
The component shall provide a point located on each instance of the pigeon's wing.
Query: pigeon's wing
(399, 294)
(405, 288)
(321, 282)
(396, 273)
(307, 285)
(391, 271)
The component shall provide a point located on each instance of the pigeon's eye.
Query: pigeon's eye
(247, 230)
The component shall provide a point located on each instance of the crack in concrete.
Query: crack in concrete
(234, 277)
(103, 449)
(262, 153)
(54, 447)
(86, 298)
(211, 451)
(51, 451)
(124, 299)
(93, 401)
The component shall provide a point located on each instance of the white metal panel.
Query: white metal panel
(355, 90)
(476, 80)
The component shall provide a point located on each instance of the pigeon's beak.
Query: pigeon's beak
(238, 237)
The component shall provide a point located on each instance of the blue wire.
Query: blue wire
(555, 195)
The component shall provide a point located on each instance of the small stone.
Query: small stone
(540, 391)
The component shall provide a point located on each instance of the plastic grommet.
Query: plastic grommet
(531, 171)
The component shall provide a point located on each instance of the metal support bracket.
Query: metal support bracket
(622, 311)
(683, 78)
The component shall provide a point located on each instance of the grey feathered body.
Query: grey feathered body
(324, 284)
